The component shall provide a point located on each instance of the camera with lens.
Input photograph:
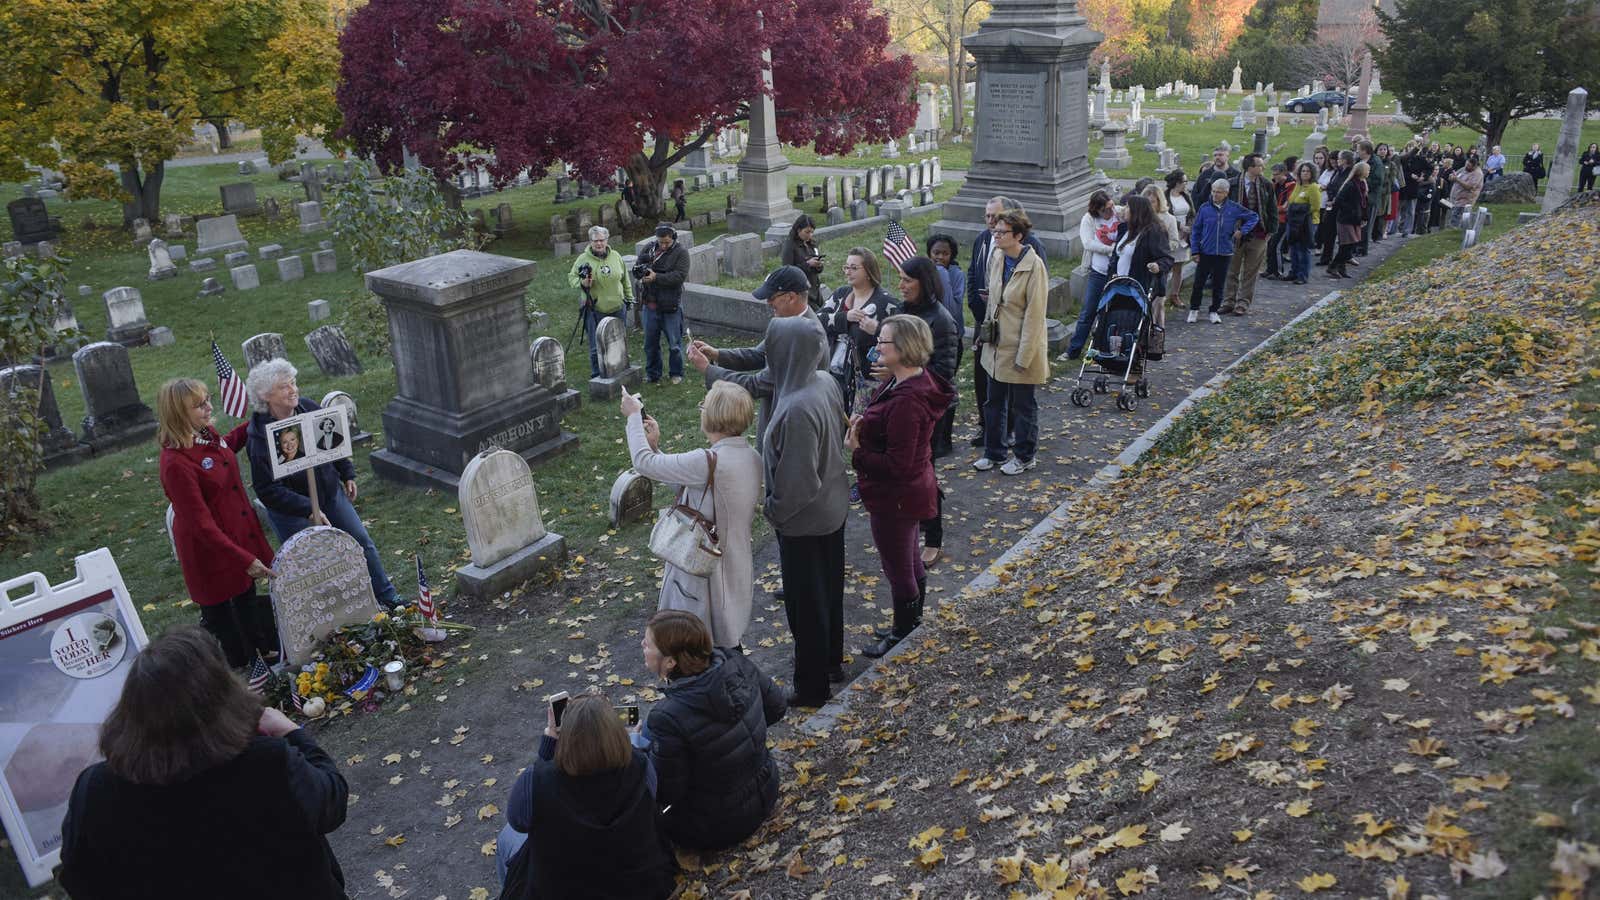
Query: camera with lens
(585, 271)
(639, 270)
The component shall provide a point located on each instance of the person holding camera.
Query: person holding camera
(581, 820)
(607, 290)
(800, 250)
(1014, 348)
(661, 271)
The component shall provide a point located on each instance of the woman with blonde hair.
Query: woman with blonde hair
(215, 532)
(721, 482)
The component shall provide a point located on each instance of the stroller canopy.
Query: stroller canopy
(1123, 286)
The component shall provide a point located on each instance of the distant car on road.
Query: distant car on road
(1314, 102)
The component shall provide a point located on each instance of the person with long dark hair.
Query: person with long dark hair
(1588, 167)
(858, 307)
(1332, 172)
(203, 792)
(1141, 251)
(1350, 209)
(800, 250)
(1095, 231)
(1181, 206)
(919, 282)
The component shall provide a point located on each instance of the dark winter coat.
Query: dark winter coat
(709, 746)
(946, 335)
(1266, 209)
(893, 465)
(1150, 247)
(672, 270)
(215, 530)
(1349, 204)
(1533, 164)
(291, 494)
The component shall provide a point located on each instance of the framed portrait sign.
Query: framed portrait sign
(65, 651)
(308, 440)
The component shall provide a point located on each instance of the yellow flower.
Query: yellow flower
(381, 617)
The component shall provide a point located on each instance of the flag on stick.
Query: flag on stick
(258, 675)
(229, 386)
(425, 595)
(898, 248)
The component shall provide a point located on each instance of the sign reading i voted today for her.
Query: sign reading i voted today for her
(64, 655)
(309, 440)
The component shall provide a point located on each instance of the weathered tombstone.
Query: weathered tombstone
(273, 211)
(615, 373)
(311, 181)
(262, 347)
(741, 253)
(318, 310)
(125, 317)
(291, 268)
(236, 258)
(114, 416)
(505, 532)
(203, 264)
(56, 440)
(632, 498)
(703, 264)
(874, 185)
(1564, 166)
(859, 210)
(240, 199)
(463, 382)
(245, 277)
(830, 192)
(177, 252)
(549, 360)
(321, 585)
(31, 222)
(142, 234)
(925, 198)
(161, 266)
(332, 351)
(211, 288)
(938, 171)
(310, 213)
(268, 251)
(1258, 144)
(503, 221)
(1168, 161)
(13, 249)
(324, 261)
(1155, 136)
(219, 234)
(847, 191)
(836, 216)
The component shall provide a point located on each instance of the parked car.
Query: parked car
(1314, 102)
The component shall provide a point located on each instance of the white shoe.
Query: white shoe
(677, 379)
(1016, 466)
(1193, 317)
(983, 464)
(1216, 319)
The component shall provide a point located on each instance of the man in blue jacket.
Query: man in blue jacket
(1218, 226)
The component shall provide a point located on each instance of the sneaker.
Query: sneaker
(855, 492)
(1194, 316)
(1216, 319)
(677, 379)
(1016, 466)
(983, 464)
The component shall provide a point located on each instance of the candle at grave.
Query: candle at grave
(394, 674)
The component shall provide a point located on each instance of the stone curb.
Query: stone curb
(825, 717)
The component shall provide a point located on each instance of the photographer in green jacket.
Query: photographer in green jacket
(599, 272)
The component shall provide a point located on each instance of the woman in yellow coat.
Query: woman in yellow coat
(1012, 346)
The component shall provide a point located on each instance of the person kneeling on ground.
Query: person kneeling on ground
(708, 738)
(581, 820)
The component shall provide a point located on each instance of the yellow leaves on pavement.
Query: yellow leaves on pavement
(1313, 883)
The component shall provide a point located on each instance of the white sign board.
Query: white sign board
(308, 440)
(64, 654)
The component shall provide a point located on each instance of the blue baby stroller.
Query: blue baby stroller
(1118, 346)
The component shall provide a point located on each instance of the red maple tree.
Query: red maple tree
(523, 84)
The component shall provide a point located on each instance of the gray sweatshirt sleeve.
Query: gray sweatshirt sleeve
(793, 479)
(744, 359)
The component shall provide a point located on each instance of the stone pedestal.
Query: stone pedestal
(1113, 151)
(764, 203)
(1031, 139)
(459, 338)
(1564, 163)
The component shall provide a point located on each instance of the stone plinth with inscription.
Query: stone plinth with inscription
(464, 384)
(1031, 137)
(321, 585)
(506, 534)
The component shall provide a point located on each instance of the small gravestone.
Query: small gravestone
(926, 197)
(13, 249)
(262, 347)
(318, 310)
(161, 266)
(161, 336)
(211, 288)
(240, 199)
(324, 262)
(269, 251)
(247, 167)
(321, 585)
(615, 373)
(332, 351)
(141, 233)
(125, 316)
(245, 277)
(31, 222)
(310, 213)
(859, 210)
(549, 363)
(174, 225)
(60, 446)
(291, 268)
(741, 255)
(340, 398)
(632, 498)
(270, 206)
(177, 252)
(203, 264)
(219, 234)
(703, 264)
(505, 532)
(236, 258)
(503, 220)
(836, 216)
(114, 415)
(84, 290)
(325, 245)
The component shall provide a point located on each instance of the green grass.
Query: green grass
(1417, 252)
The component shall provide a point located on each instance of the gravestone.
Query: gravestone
(332, 351)
(236, 258)
(240, 199)
(340, 398)
(703, 264)
(836, 216)
(203, 264)
(830, 192)
(859, 210)
(245, 277)
(291, 268)
(262, 347)
(310, 213)
(324, 261)
(503, 221)
(311, 181)
(31, 222)
(211, 288)
(1113, 151)
(270, 206)
(174, 225)
(1168, 161)
(1155, 136)
(874, 185)
(268, 251)
(321, 585)
(177, 252)
(13, 249)
(161, 266)
(615, 372)
(847, 191)
(125, 317)
(463, 382)
(633, 498)
(114, 416)
(318, 310)
(925, 198)
(505, 532)
(741, 253)
(1564, 165)
(219, 234)
(141, 233)
(1258, 144)
(60, 446)
(549, 363)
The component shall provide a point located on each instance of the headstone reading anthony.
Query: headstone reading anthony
(549, 363)
(114, 415)
(333, 352)
(615, 373)
(59, 444)
(219, 234)
(125, 316)
(161, 266)
(500, 509)
(321, 585)
(262, 347)
(632, 498)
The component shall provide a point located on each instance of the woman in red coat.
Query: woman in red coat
(214, 527)
(889, 443)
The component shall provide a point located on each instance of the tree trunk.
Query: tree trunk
(647, 182)
(224, 140)
(955, 61)
(144, 193)
(1495, 129)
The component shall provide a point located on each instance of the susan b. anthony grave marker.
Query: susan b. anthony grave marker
(322, 585)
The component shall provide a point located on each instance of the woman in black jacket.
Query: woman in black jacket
(1142, 251)
(203, 793)
(1533, 164)
(1349, 212)
(1589, 168)
(717, 782)
(920, 287)
(800, 250)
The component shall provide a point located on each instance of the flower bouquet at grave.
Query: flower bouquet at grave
(347, 668)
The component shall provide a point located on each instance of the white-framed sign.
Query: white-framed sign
(308, 440)
(64, 655)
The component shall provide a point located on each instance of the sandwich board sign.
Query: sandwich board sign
(65, 651)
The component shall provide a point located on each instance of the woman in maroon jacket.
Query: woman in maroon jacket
(221, 549)
(889, 444)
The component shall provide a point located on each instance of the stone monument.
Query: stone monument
(125, 317)
(764, 205)
(321, 585)
(1564, 164)
(611, 340)
(114, 415)
(549, 360)
(57, 441)
(1236, 87)
(1114, 152)
(31, 221)
(633, 498)
(240, 199)
(500, 509)
(161, 266)
(219, 234)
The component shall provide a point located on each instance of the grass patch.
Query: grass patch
(1419, 251)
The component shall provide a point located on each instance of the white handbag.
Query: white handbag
(683, 536)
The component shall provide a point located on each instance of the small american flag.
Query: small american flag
(229, 386)
(295, 698)
(425, 594)
(258, 675)
(898, 247)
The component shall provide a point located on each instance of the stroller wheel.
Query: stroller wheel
(1142, 388)
(1127, 401)
(1080, 396)
(1100, 384)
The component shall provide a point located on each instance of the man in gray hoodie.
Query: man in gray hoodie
(807, 500)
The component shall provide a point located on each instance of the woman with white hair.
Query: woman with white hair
(275, 396)
(600, 275)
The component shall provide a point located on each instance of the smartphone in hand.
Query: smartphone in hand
(628, 714)
(558, 705)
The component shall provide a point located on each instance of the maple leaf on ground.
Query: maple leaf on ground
(1176, 831)
(1313, 883)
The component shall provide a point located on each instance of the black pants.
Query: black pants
(243, 625)
(933, 529)
(1342, 259)
(1212, 268)
(1274, 245)
(813, 600)
(1585, 178)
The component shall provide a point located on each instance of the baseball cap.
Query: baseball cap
(783, 278)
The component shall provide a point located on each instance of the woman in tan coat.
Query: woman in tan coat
(723, 600)
(1013, 350)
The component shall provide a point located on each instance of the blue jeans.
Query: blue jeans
(1092, 286)
(655, 325)
(511, 840)
(1300, 260)
(344, 517)
(1018, 401)
(591, 321)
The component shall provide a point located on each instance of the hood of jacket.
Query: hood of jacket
(722, 693)
(796, 348)
(930, 390)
